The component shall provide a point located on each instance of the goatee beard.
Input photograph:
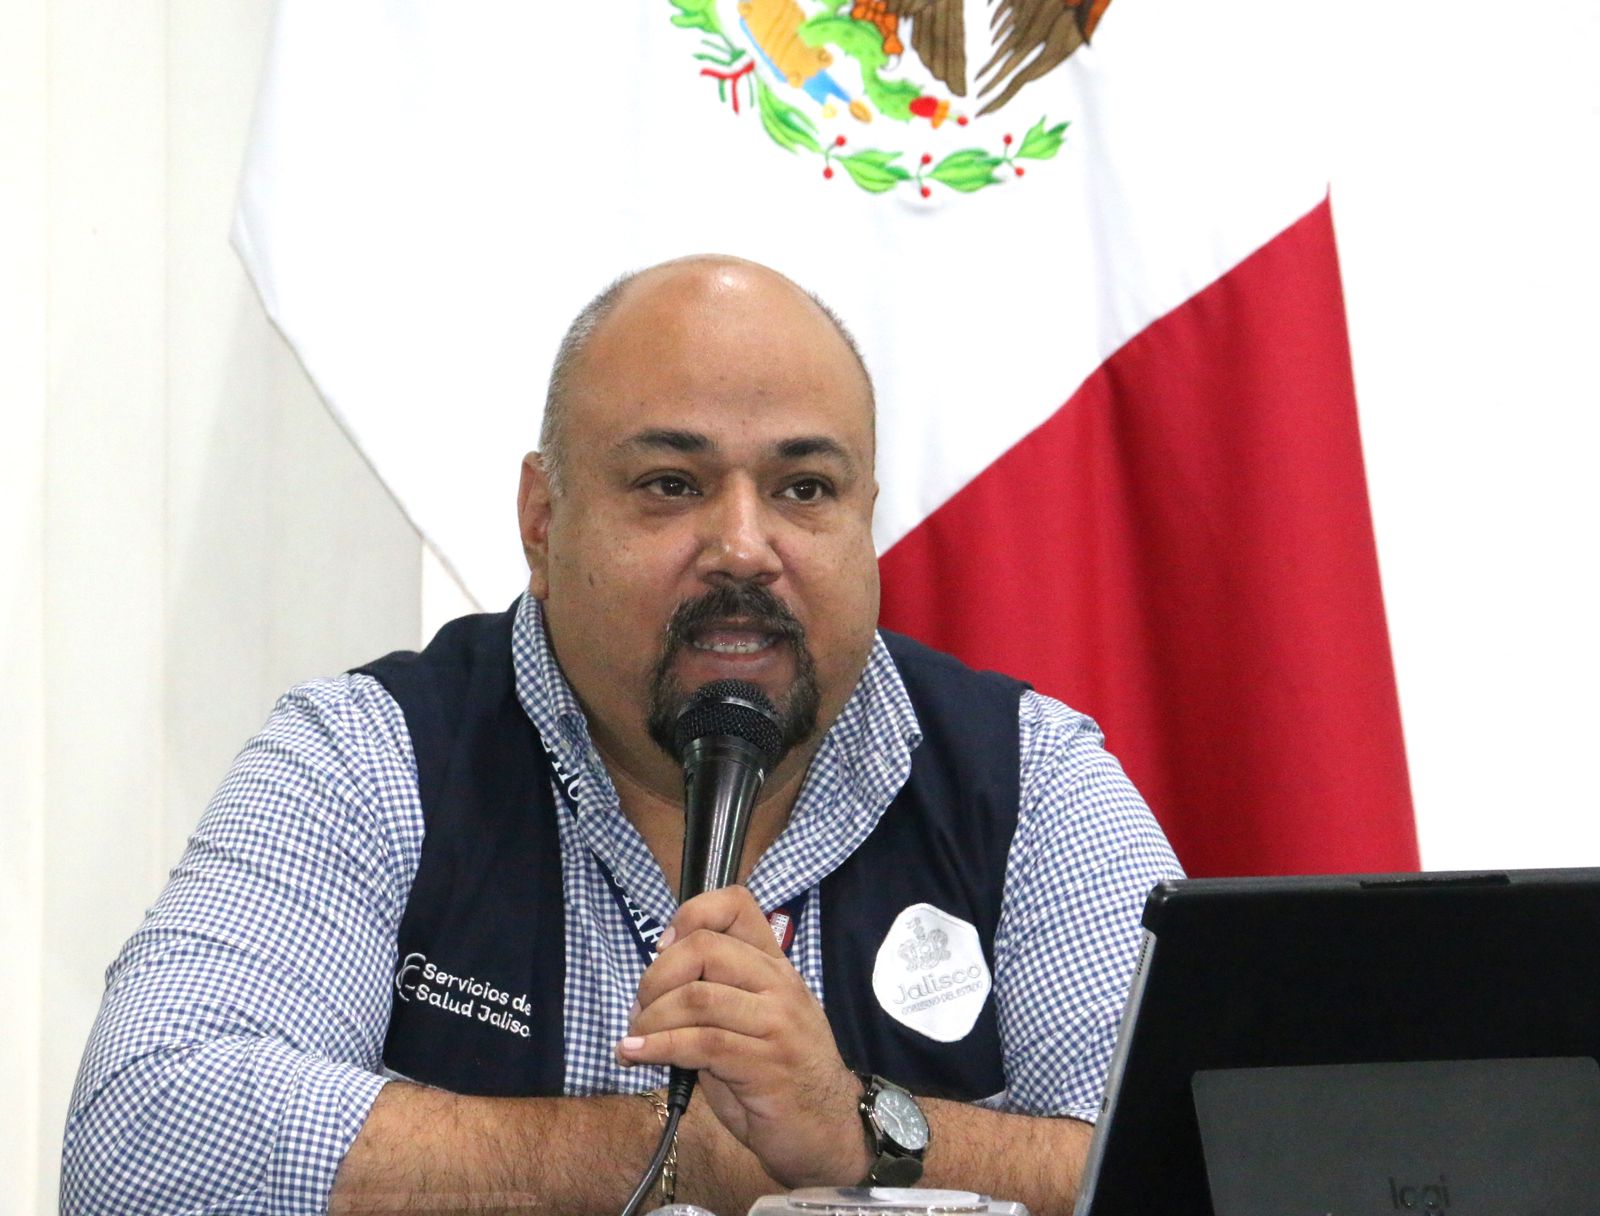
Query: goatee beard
(756, 608)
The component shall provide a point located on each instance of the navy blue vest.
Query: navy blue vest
(487, 897)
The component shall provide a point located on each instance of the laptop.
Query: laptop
(1286, 1038)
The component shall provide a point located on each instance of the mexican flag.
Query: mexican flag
(1089, 254)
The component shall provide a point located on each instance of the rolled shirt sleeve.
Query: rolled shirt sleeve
(235, 1055)
(1085, 854)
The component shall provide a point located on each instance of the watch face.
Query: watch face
(901, 1119)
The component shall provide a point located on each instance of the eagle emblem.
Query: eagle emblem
(923, 949)
(875, 88)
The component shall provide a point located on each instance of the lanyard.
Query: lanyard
(647, 930)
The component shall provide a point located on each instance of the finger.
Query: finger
(706, 1004)
(732, 1058)
(705, 955)
(729, 910)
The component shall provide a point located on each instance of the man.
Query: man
(451, 866)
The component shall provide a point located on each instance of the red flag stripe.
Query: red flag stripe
(1185, 552)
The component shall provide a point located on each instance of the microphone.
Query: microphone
(727, 738)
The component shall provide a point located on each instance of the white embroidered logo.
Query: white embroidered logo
(926, 950)
(416, 979)
(930, 973)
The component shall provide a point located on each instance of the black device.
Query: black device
(1463, 1137)
(1241, 975)
(726, 737)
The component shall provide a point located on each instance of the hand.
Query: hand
(722, 998)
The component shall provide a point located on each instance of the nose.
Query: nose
(737, 541)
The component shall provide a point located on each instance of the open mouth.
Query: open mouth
(737, 630)
(730, 638)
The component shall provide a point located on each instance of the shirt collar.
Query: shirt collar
(864, 759)
(541, 687)
(878, 711)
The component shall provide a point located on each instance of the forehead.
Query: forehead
(710, 346)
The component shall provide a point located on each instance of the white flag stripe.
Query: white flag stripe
(433, 191)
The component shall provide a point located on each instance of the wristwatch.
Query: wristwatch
(897, 1132)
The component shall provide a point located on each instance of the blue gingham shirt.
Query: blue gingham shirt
(239, 1045)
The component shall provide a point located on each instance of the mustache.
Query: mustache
(753, 606)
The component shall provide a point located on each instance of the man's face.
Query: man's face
(715, 519)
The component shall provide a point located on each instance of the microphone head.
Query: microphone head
(730, 707)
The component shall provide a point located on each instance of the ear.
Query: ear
(533, 520)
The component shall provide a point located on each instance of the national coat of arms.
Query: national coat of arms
(863, 84)
(922, 949)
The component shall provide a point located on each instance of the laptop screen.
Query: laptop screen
(1456, 1137)
(1308, 973)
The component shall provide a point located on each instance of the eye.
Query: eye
(668, 485)
(807, 489)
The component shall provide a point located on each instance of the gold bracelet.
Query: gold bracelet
(669, 1169)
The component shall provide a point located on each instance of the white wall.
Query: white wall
(1466, 183)
(183, 532)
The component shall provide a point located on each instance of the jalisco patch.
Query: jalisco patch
(930, 973)
(880, 88)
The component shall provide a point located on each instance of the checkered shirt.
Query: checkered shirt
(239, 1044)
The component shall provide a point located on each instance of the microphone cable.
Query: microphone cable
(652, 1173)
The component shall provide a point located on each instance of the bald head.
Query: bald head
(712, 428)
(689, 281)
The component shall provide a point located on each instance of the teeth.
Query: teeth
(749, 646)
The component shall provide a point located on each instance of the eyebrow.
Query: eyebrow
(693, 442)
(671, 440)
(813, 445)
